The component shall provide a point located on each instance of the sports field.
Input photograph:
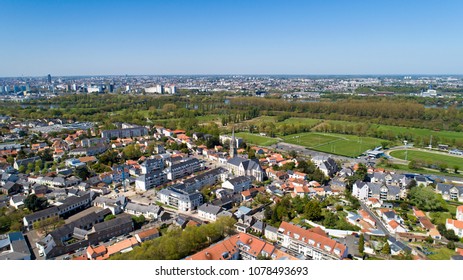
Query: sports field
(340, 144)
(451, 161)
(257, 139)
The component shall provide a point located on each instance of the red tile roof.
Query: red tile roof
(312, 238)
(394, 224)
(455, 223)
(147, 233)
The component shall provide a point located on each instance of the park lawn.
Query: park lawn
(304, 121)
(257, 139)
(339, 144)
(442, 137)
(440, 217)
(419, 131)
(261, 119)
(451, 161)
(441, 253)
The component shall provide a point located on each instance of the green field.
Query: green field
(304, 121)
(451, 161)
(208, 118)
(441, 254)
(439, 137)
(257, 139)
(340, 144)
(403, 167)
(419, 131)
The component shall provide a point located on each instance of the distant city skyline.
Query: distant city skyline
(91, 38)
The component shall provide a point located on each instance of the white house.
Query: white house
(208, 211)
(237, 184)
(456, 226)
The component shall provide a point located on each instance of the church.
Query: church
(239, 166)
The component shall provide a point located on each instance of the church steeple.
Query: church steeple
(233, 151)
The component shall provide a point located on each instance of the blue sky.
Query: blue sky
(230, 37)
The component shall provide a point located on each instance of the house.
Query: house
(24, 162)
(459, 214)
(276, 175)
(10, 188)
(271, 233)
(313, 244)
(238, 184)
(373, 202)
(80, 231)
(17, 201)
(147, 234)
(115, 205)
(450, 192)
(72, 204)
(152, 164)
(456, 225)
(150, 180)
(365, 190)
(14, 247)
(148, 211)
(180, 199)
(183, 168)
(239, 246)
(209, 211)
(124, 133)
(208, 178)
(422, 180)
(298, 175)
(394, 227)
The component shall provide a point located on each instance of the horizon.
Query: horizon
(228, 37)
(413, 75)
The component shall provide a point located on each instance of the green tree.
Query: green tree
(138, 221)
(109, 217)
(429, 239)
(443, 167)
(22, 169)
(330, 220)
(34, 203)
(386, 249)
(293, 154)
(361, 244)
(425, 199)
(132, 151)
(82, 172)
(48, 225)
(313, 210)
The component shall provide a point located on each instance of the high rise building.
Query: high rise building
(110, 88)
(159, 89)
(173, 89)
(49, 78)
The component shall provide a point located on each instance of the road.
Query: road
(378, 221)
(381, 226)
